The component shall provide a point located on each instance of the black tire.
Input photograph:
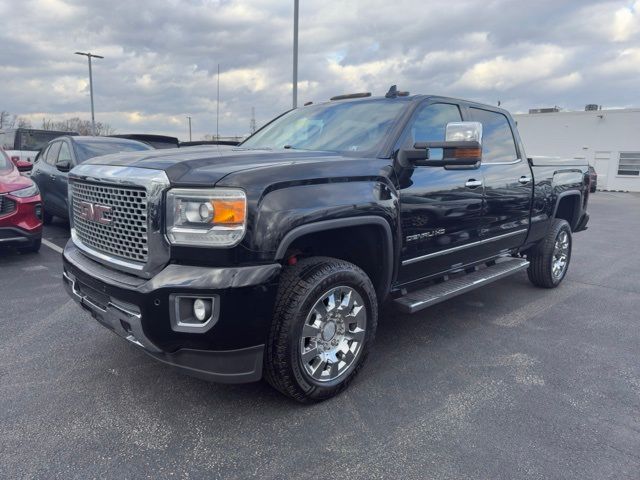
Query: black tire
(301, 287)
(33, 248)
(47, 218)
(541, 257)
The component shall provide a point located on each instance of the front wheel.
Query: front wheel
(549, 260)
(324, 323)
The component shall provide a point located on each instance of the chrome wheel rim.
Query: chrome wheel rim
(333, 334)
(560, 257)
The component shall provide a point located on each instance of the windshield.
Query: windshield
(87, 149)
(336, 127)
(5, 163)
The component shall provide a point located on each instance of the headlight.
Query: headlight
(211, 217)
(30, 191)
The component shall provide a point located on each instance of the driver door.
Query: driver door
(441, 208)
(44, 175)
(59, 182)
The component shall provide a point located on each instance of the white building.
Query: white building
(608, 139)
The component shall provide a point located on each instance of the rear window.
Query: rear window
(87, 149)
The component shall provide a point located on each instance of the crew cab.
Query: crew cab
(272, 259)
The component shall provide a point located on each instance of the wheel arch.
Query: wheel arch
(568, 207)
(308, 233)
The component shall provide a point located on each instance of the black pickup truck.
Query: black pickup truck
(272, 258)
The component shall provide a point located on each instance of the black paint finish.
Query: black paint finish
(435, 219)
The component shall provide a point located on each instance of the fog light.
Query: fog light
(193, 313)
(202, 309)
(38, 211)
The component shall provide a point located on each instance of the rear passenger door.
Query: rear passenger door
(508, 185)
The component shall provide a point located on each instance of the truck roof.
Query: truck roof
(362, 97)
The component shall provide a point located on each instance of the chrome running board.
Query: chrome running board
(417, 300)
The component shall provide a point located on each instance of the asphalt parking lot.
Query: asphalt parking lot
(506, 382)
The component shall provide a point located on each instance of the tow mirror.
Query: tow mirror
(24, 166)
(63, 166)
(462, 147)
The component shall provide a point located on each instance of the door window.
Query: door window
(498, 145)
(65, 153)
(429, 125)
(52, 153)
(430, 122)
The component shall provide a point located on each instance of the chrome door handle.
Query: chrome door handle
(53, 177)
(524, 180)
(473, 183)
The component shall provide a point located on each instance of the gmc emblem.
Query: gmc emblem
(95, 213)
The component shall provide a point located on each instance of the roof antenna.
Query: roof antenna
(394, 92)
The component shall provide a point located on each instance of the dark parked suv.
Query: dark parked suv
(271, 259)
(61, 155)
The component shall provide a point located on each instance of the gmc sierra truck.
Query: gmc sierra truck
(271, 259)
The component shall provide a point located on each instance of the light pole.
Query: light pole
(189, 127)
(93, 116)
(295, 53)
(218, 106)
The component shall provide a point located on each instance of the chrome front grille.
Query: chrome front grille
(122, 230)
(6, 205)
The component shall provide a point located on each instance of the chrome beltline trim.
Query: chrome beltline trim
(409, 261)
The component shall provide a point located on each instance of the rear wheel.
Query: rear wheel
(324, 322)
(549, 260)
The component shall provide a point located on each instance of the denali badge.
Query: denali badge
(95, 213)
(428, 234)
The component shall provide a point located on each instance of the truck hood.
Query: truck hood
(197, 166)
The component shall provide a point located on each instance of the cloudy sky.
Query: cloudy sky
(161, 56)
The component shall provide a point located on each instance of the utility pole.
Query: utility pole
(252, 125)
(218, 107)
(295, 53)
(189, 127)
(89, 56)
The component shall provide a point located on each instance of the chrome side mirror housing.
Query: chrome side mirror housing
(464, 132)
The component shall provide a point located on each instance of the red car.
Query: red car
(20, 208)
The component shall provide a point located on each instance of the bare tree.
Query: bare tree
(13, 121)
(75, 124)
(21, 122)
(5, 117)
